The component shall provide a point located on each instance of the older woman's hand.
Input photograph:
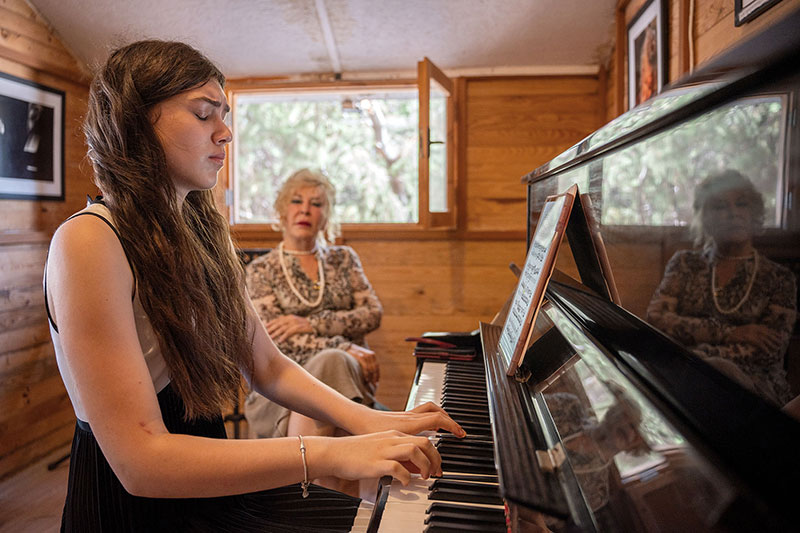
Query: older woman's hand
(285, 326)
(758, 335)
(369, 363)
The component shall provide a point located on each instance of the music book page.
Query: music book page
(538, 267)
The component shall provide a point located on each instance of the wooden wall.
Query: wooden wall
(35, 414)
(709, 26)
(507, 127)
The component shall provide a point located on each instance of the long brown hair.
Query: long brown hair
(188, 279)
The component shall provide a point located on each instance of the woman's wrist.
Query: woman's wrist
(357, 422)
(317, 458)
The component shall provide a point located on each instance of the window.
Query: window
(364, 140)
(368, 139)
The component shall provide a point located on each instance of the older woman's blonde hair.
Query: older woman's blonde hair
(309, 178)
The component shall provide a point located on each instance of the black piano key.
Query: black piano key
(454, 465)
(474, 418)
(464, 524)
(466, 443)
(459, 491)
(467, 515)
(466, 383)
(475, 478)
(438, 528)
(477, 440)
(472, 441)
(474, 399)
(470, 410)
(465, 453)
(443, 508)
(471, 429)
(464, 386)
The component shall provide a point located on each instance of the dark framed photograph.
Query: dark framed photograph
(647, 52)
(747, 10)
(31, 140)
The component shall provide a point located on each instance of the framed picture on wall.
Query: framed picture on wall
(31, 140)
(747, 10)
(647, 52)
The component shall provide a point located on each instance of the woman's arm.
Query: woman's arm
(91, 284)
(284, 381)
(365, 314)
(662, 311)
(293, 334)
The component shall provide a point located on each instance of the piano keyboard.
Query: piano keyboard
(466, 497)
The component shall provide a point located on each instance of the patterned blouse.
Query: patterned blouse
(575, 427)
(683, 307)
(349, 309)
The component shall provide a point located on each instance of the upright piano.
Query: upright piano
(610, 424)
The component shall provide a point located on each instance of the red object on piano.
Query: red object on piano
(433, 342)
(445, 354)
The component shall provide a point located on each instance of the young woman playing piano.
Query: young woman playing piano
(152, 327)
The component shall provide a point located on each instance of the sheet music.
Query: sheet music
(517, 323)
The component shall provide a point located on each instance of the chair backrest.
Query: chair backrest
(246, 255)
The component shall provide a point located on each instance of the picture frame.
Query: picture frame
(31, 140)
(647, 52)
(747, 10)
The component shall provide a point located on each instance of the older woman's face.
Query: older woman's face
(728, 217)
(305, 213)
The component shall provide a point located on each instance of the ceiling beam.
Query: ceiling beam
(327, 32)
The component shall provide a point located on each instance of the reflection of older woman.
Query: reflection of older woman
(592, 446)
(727, 302)
(317, 306)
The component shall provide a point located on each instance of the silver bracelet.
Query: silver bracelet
(305, 483)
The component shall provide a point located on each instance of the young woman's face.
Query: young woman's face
(305, 214)
(192, 130)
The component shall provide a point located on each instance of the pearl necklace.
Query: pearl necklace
(321, 276)
(750, 282)
(301, 252)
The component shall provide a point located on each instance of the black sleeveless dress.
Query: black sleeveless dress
(97, 501)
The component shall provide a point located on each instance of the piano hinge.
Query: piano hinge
(522, 375)
(551, 459)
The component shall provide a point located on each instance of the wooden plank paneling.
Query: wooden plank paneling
(35, 413)
(513, 126)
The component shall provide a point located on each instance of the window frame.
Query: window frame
(253, 232)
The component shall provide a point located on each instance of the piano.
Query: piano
(610, 424)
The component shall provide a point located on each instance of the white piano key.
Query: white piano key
(405, 507)
(429, 387)
(361, 521)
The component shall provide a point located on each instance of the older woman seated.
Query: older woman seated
(728, 303)
(317, 306)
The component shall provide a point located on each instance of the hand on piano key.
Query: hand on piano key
(388, 453)
(425, 417)
(466, 496)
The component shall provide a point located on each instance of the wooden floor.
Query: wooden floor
(31, 501)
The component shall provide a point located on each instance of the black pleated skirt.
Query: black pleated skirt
(96, 500)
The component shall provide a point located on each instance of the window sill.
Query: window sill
(259, 233)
